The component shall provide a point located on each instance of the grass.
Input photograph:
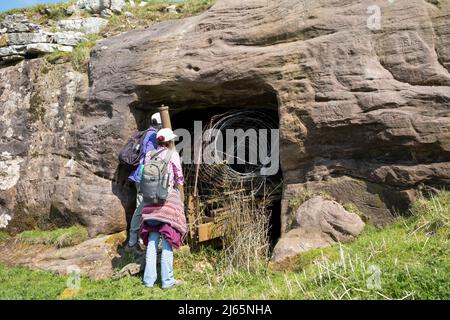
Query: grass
(402, 261)
(60, 237)
(42, 14)
(432, 215)
(152, 13)
(3, 236)
(79, 57)
(297, 201)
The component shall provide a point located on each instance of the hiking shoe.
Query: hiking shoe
(132, 249)
(177, 283)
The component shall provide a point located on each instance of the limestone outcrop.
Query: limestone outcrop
(20, 38)
(98, 6)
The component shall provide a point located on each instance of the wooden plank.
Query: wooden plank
(192, 213)
(207, 219)
(220, 210)
(234, 191)
(209, 231)
(215, 200)
(223, 216)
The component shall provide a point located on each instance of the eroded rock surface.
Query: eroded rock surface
(49, 176)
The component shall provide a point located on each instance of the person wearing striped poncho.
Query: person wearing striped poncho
(166, 220)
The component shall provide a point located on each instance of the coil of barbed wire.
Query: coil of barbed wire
(237, 164)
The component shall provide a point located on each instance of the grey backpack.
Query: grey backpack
(154, 184)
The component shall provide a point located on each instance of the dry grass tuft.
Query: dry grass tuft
(246, 240)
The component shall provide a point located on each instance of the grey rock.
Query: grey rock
(28, 38)
(73, 9)
(87, 25)
(12, 58)
(12, 50)
(172, 9)
(129, 270)
(106, 13)
(116, 6)
(69, 38)
(318, 223)
(93, 6)
(17, 23)
(97, 6)
(43, 48)
(24, 38)
(9, 170)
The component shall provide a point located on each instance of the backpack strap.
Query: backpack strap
(148, 139)
(166, 160)
(155, 153)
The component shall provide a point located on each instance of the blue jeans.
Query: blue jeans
(150, 274)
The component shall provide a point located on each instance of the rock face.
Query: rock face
(362, 93)
(318, 223)
(49, 176)
(20, 38)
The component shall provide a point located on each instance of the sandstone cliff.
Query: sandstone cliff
(364, 109)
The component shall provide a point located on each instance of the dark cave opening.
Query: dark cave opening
(198, 101)
(184, 119)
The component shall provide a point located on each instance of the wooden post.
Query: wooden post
(165, 117)
(166, 123)
(192, 211)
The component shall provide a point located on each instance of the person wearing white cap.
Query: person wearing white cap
(164, 221)
(156, 120)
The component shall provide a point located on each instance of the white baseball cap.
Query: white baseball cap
(165, 135)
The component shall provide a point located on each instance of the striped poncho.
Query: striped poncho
(170, 211)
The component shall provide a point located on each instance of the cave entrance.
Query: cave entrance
(233, 160)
